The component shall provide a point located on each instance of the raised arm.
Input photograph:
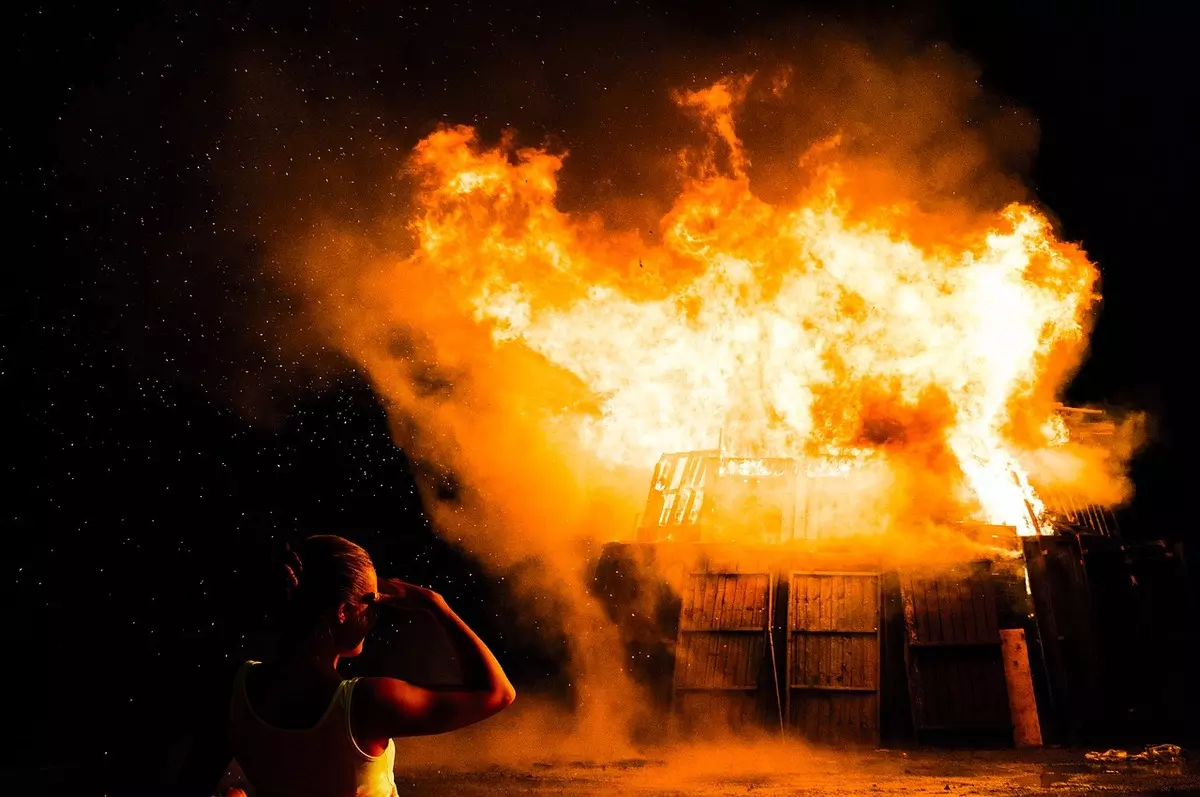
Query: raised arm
(385, 708)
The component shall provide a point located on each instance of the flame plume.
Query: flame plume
(832, 326)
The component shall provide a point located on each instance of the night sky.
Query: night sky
(163, 437)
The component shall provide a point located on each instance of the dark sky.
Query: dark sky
(140, 497)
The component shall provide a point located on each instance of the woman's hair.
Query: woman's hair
(318, 573)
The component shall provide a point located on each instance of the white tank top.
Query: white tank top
(321, 761)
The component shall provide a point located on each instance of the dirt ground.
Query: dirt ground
(720, 771)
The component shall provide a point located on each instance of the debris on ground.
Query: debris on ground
(1153, 754)
(1113, 756)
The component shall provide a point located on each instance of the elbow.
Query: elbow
(507, 695)
(501, 698)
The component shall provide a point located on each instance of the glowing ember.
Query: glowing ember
(826, 327)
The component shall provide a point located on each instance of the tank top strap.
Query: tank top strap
(345, 695)
(239, 680)
(237, 699)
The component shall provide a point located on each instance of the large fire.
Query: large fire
(842, 326)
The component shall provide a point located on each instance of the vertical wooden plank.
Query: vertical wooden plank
(989, 603)
(731, 610)
(704, 640)
(943, 609)
(970, 624)
(857, 600)
(736, 596)
(712, 583)
(713, 660)
(796, 673)
(687, 604)
(862, 672)
(808, 604)
(719, 582)
(979, 603)
(908, 599)
(812, 608)
(750, 616)
(683, 661)
(793, 598)
(924, 616)
(848, 611)
(814, 603)
(681, 672)
(718, 587)
(833, 662)
(827, 601)
(1022, 703)
(837, 658)
(933, 610)
(852, 661)
(751, 655)
(735, 659)
(764, 619)
(837, 591)
(876, 600)
(727, 651)
(802, 598)
(839, 607)
(920, 622)
(715, 645)
(699, 645)
(862, 586)
(743, 617)
(873, 659)
(957, 609)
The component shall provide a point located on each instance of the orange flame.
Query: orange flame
(837, 326)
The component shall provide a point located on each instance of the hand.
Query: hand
(402, 595)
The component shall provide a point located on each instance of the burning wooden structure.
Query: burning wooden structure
(810, 633)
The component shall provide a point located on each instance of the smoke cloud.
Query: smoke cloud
(498, 430)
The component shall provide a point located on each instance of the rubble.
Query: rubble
(1153, 754)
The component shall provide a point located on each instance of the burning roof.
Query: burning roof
(705, 495)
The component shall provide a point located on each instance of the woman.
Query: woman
(296, 728)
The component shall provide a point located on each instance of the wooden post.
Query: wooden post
(1022, 704)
